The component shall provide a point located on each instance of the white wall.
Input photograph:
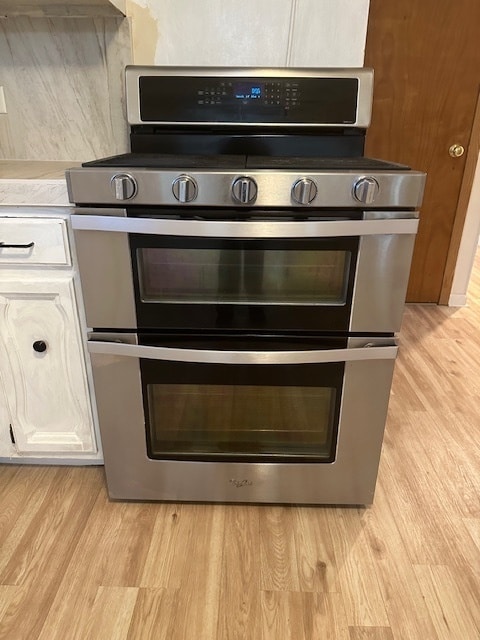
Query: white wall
(249, 32)
(468, 246)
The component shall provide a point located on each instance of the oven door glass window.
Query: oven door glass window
(246, 272)
(242, 412)
(222, 420)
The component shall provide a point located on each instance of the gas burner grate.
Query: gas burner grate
(321, 163)
(170, 161)
(227, 161)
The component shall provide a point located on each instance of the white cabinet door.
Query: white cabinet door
(7, 449)
(42, 366)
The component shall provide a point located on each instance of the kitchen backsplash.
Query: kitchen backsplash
(63, 82)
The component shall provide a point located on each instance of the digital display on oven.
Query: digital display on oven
(247, 91)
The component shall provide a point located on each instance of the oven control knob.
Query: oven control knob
(304, 191)
(244, 190)
(124, 187)
(365, 190)
(184, 189)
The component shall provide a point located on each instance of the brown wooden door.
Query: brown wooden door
(426, 59)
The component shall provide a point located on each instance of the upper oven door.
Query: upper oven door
(315, 275)
(253, 284)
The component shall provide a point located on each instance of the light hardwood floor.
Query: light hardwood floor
(75, 566)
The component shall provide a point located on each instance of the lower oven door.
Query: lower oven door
(242, 420)
(311, 275)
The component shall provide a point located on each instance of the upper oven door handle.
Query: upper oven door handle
(210, 356)
(247, 229)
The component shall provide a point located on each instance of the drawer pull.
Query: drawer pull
(4, 245)
(40, 346)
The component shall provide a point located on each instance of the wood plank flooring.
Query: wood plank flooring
(74, 566)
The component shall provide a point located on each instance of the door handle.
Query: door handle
(456, 150)
(211, 356)
(247, 229)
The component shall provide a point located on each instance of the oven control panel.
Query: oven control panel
(259, 189)
(253, 100)
(180, 96)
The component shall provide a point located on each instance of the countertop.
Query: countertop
(33, 182)
(59, 8)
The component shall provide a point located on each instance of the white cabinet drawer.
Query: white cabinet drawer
(33, 242)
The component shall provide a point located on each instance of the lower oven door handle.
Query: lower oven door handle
(209, 356)
(247, 229)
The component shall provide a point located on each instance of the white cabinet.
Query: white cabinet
(45, 405)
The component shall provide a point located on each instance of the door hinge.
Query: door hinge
(12, 437)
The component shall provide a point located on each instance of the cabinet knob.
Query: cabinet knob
(39, 346)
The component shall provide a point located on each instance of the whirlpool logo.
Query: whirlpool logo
(240, 483)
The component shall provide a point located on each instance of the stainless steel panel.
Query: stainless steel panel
(92, 185)
(371, 214)
(364, 76)
(351, 479)
(120, 337)
(106, 276)
(251, 229)
(381, 280)
(100, 211)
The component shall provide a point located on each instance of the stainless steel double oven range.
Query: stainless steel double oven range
(244, 272)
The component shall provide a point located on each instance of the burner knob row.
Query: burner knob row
(244, 189)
